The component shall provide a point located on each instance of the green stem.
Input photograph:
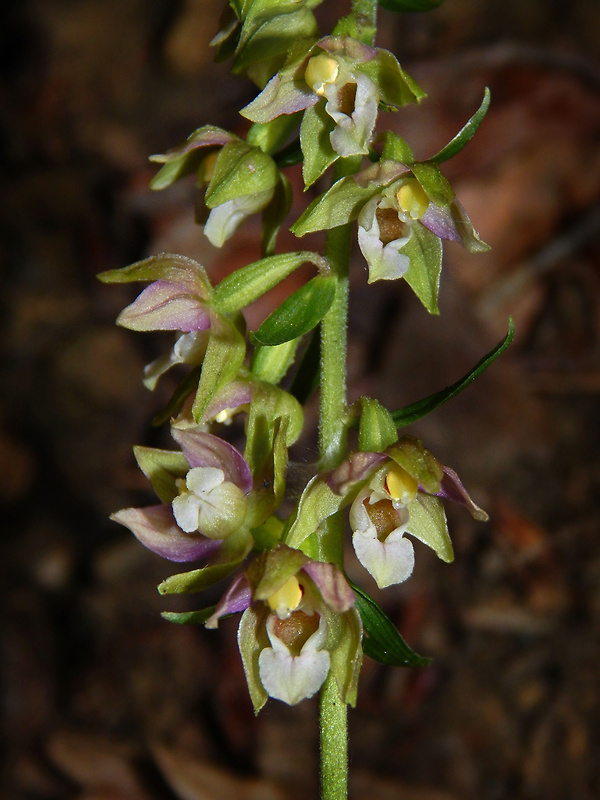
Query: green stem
(334, 742)
(333, 436)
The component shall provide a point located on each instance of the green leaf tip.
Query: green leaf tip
(466, 133)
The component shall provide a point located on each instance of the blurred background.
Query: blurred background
(101, 698)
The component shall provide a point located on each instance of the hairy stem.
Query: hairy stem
(334, 742)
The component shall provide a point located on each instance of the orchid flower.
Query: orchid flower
(397, 220)
(345, 76)
(204, 490)
(399, 493)
(297, 611)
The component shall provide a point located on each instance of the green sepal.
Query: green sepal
(315, 142)
(466, 133)
(376, 430)
(163, 468)
(247, 284)
(344, 643)
(409, 414)
(232, 552)
(434, 183)
(275, 213)
(187, 385)
(270, 571)
(165, 267)
(410, 454)
(381, 640)
(396, 86)
(270, 364)
(299, 313)
(189, 617)
(424, 250)
(177, 168)
(252, 639)
(340, 204)
(428, 524)
(268, 466)
(227, 39)
(318, 502)
(224, 357)
(410, 6)
(264, 45)
(240, 170)
(271, 136)
(395, 148)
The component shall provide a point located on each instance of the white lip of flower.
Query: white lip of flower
(209, 504)
(224, 220)
(289, 677)
(391, 560)
(190, 348)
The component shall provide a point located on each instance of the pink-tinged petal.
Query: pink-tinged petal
(165, 306)
(452, 489)
(332, 585)
(233, 396)
(453, 223)
(439, 221)
(380, 174)
(237, 598)
(354, 469)
(206, 450)
(156, 529)
(349, 47)
(281, 95)
(207, 136)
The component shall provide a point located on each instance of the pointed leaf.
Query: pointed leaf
(270, 364)
(465, 134)
(163, 267)
(189, 617)
(409, 414)
(299, 313)
(240, 170)
(395, 148)
(381, 640)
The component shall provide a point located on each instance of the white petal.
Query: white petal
(186, 510)
(353, 134)
(201, 480)
(224, 220)
(389, 562)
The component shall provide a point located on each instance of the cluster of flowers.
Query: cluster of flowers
(218, 506)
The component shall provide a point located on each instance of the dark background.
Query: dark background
(102, 699)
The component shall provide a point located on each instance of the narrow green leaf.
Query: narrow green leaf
(247, 284)
(299, 313)
(395, 148)
(410, 6)
(270, 364)
(409, 414)
(465, 135)
(240, 170)
(381, 640)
